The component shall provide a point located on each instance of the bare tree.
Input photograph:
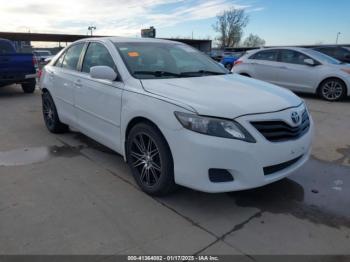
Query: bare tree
(229, 25)
(253, 41)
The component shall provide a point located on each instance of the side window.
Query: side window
(71, 58)
(268, 55)
(60, 60)
(97, 55)
(6, 48)
(293, 57)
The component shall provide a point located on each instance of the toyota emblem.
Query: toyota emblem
(295, 117)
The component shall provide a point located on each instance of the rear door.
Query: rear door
(294, 73)
(264, 65)
(64, 76)
(98, 101)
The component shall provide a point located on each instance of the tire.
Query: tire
(332, 89)
(229, 66)
(150, 160)
(29, 87)
(51, 119)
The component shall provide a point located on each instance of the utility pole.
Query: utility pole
(91, 28)
(336, 41)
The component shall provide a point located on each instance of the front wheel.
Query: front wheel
(332, 89)
(29, 87)
(150, 160)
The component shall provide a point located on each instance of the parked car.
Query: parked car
(41, 55)
(216, 55)
(16, 68)
(298, 69)
(229, 59)
(340, 53)
(176, 115)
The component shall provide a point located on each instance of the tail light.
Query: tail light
(35, 62)
(40, 72)
(238, 62)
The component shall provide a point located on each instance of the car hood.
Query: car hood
(227, 96)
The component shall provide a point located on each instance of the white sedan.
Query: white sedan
(176, 116)
(298, 69)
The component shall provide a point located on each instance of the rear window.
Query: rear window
(6, 48)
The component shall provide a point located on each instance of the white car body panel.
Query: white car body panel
(222, 95)
(103, 110)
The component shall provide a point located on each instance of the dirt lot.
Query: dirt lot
(66, 194)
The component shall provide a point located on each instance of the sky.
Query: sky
(279, 22)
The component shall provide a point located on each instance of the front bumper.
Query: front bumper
(194, 154)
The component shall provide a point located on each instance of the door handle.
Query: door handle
(283, 67)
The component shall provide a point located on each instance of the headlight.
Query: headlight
(214, 127)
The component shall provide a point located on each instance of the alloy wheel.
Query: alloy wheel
(48, 111)
(146, 159)
(332, 90)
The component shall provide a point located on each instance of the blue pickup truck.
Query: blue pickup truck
(229, 59)
(16, 68)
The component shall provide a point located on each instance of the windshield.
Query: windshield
(322, 57)
(166, 60)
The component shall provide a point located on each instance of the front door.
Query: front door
(98, 101)
(294, 73)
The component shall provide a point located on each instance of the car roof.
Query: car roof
(117, 39)
(282, 47)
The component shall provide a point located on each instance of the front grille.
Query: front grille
(279, 131)
(269, 170)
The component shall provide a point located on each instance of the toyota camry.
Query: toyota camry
(176, 116)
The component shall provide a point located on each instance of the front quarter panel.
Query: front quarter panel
(152, 108)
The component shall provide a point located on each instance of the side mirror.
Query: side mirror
(309, 62)
(103, 72)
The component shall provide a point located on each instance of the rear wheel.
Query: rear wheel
(332, 89)
(150, 160)
(29, 87)
(52, 122)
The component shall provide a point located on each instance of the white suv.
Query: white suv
(175, 115)
(298, 69)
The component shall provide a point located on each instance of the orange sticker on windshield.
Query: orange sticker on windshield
(133, 54)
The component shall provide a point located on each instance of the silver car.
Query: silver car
(298, 69)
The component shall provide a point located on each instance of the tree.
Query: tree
(229, 25)
(253, 41)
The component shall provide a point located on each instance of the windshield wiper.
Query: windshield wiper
(202, 72)
(157, 73)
